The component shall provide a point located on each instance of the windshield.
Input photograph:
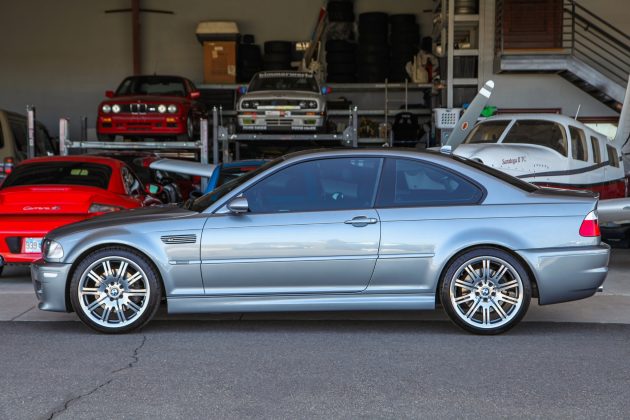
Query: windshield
(60, 173)
(213, 196)
(283, 81)
(152, 85)
(487, 132)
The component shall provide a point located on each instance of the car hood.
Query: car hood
(281, 94)
(124, 218)
(51, 199)
(152, 99)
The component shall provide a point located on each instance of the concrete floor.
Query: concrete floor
(18, 303)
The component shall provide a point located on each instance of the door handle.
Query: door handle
(361, 221)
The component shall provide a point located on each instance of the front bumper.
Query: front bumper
(285, 120)
(141, 124)
(567, 274)
(49, 281)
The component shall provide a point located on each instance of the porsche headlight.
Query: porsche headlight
(52, 250)
(172, 108)
(115, 108)
(106, 108)
(161, 108)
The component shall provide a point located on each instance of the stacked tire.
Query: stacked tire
(404, 39)
(277, 55)
(373, 51)
(340, 60)
(248, 60)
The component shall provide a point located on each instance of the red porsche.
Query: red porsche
(44, 193)
(151, 106)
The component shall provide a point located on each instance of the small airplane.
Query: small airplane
(549, 150)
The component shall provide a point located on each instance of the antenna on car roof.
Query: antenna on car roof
(577, 112)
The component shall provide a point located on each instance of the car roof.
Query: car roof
(76, 158)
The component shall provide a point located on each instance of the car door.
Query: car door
(421, 206)
(311, 228)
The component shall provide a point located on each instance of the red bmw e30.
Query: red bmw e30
(151, 106)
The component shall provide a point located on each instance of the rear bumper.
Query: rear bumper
(567, 274)
(49, 281)
(131, 124)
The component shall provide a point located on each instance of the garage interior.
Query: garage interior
(398, 74)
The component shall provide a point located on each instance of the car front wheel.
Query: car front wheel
(486, 291)
(115, 290)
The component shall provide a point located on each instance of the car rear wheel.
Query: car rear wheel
(190, 131)
(115, 290)
(486, 291)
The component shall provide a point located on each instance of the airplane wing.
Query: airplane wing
(469, 119)
(184, 167)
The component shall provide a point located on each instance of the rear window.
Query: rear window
(613, 158)
(542, 133)
(487, 132)
(515, 182)
(60, 173)
(597, 155)
(578, 144)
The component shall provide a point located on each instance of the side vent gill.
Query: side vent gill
(179, 239)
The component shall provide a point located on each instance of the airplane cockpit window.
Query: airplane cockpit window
(539, 132)
(597, 154)
(487, 132)
(578, 144)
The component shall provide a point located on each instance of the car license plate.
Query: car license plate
(32, 245)
(273, 113)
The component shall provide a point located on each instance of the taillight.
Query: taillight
(8, 165)
(590, 225)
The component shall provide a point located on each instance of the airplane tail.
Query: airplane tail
(622, 137)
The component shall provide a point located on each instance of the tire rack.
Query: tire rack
(348, 138)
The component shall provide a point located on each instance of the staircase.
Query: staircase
(587, 51)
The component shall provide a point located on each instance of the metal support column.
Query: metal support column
(450, 46)
(204, 153)
(84, 122)
(355, 127)
(63, 136)
(215, 136)
(30, 111)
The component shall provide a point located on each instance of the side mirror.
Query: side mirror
(109, 93)
(195, 94)
(153, 189)
(238, 205)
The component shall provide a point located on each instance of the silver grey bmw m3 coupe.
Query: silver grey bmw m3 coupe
(335, 230)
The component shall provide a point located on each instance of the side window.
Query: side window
(18, 128)
(597, 154)
(542, 133)
(412, 183)
(613, 158)
(133, 186)
(578, 144)
(325, 184)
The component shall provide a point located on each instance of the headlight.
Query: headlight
(302, 104)
(161, 108)
(52, 250)
(312, 104)
(172, 109)
(246, 105)
(103, 208)
(116, 108)
(106, 108)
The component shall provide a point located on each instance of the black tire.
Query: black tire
(190, 131)
(278, 47)
(340, 11)
(484, 291)
(149, 303)
(248, 39)
(373, 37)
(373, 19)
(249, 52)
(105, 137)
(339, 46)
(373, 49)
(402, 20)
(375, 60)
(340, 58)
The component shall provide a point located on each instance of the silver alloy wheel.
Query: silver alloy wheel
(486, 292)
(114, 292)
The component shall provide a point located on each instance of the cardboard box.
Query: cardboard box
(219, 62)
